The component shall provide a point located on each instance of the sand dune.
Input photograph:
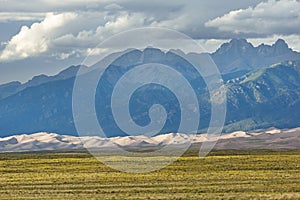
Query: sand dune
(271, 138)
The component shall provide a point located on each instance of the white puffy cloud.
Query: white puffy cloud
(271, 17)
(36, 39)
(66, 34)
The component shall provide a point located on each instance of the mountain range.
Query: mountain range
(262, 83)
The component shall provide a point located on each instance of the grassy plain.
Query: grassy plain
(257, 174)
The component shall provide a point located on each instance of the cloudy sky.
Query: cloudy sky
(46, 36)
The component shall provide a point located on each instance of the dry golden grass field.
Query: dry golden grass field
(257, 174)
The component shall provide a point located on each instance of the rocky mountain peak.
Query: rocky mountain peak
(280, 46)
(235, 46)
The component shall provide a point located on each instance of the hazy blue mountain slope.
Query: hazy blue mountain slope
(46, 107)
(15, 86)
(258, 95)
